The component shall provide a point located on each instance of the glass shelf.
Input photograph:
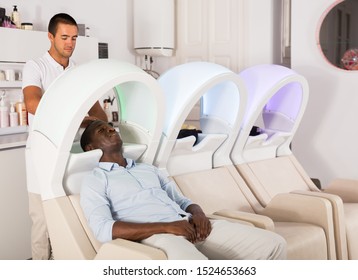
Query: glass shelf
(7, 84)
(13, 130)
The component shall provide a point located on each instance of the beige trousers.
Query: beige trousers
(227, 241)
(40, 242)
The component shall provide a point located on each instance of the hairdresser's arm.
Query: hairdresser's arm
(98, 112)
(95, 113)
(32, 97)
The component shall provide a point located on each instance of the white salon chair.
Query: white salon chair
(205, 172)
(277, 101)
(59, 171)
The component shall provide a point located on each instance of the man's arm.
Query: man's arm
(199, 220)
(96, 207)
(140, 231)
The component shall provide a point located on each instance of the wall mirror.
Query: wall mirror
(338, 36)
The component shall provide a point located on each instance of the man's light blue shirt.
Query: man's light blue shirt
(136, 193)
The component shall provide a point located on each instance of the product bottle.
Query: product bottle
(22, 113)
(107, 109)
(4, 114)
(15, 17)
(14, 117)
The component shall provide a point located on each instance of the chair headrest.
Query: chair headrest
(78, 166)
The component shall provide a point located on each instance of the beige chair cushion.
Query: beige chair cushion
(305, 241)
(351, 221)
(269, 177)
(211, 189)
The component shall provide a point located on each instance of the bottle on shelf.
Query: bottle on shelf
(22, 112)
(15, 17)
(4, 113)
(13, 116)
(107, 110)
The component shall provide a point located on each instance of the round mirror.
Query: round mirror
(338, 38)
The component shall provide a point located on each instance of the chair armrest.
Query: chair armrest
(121, 249)
(346, 189)
(338, 219)
(294, 207)
(299, 207)
(254, 219)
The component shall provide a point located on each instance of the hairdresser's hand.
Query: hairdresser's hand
(87, 120)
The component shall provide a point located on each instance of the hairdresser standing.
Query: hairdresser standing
(38, 74)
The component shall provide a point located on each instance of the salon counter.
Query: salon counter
(11, 141)
(15, 234)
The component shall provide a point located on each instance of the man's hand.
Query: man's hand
(202, 226)
(200, 222)
(183, 228)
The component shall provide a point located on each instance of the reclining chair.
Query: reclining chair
(277, 98)
(50, 153)
(204, 172)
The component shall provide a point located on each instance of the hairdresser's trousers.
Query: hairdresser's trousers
(40, 243)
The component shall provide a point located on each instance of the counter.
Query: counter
(10, 141)
(15, 234)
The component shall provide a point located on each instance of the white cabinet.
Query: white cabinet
(208, 31)
(14, 218)
(234, 33)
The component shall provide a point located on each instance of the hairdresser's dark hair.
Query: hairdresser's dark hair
(60, 18)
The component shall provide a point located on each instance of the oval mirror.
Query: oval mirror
(338, 38)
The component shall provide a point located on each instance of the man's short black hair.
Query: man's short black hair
(60, 18)
(86, 137)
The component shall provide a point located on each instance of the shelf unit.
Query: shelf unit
(12, 91)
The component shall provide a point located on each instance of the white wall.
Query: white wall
(260, 29)
(107, 20)
(326, 141)
(111, 22)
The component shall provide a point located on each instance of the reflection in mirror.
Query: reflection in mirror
(338, 37)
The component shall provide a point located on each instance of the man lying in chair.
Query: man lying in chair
(134, 201)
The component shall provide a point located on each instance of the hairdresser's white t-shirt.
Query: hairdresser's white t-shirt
(42, 72)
